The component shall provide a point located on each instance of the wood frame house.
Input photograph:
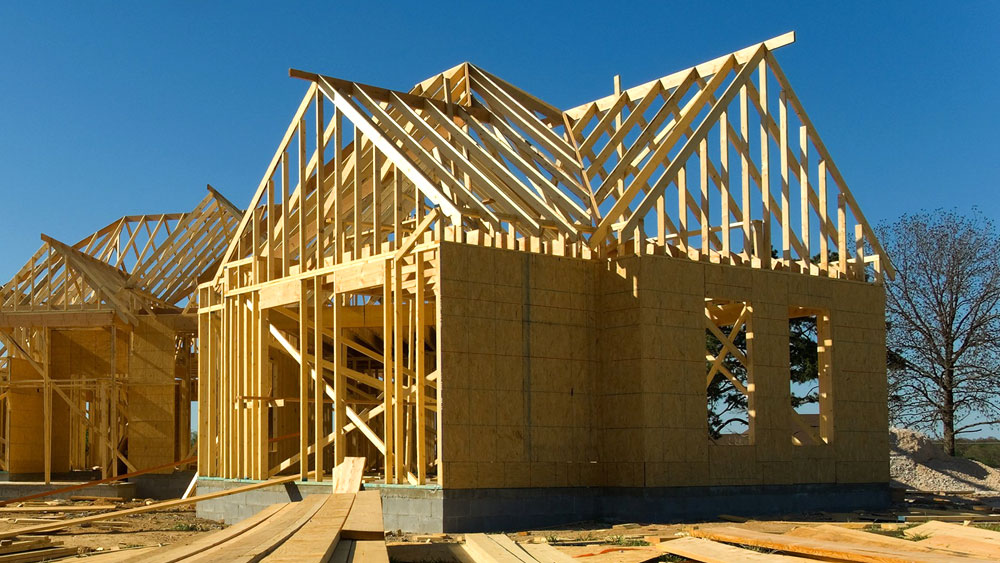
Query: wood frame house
(476, 289)
(97, 343)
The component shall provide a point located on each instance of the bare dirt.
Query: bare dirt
(147, 529)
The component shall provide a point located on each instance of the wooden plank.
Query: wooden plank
(25, 545)
(485, 550)
(822, 548)
(177, 552)
(936, 528)
(318, 539)
(708, 551)
(365, 520)
(369, 551)
(57, 508)
(39, 555)
(267, 537)
(121, 555)
(347, 475)
(276, 295)
(141, 509)
(979, 548)
(827, 532)
(545, 553)
(511, 547)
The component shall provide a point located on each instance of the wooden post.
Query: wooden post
(765, 173)
(388, 364)
(318, 400)
(340, 384)
(421, 372)
(113, 419)
(397, 414)
(47, 406)
(303, 378)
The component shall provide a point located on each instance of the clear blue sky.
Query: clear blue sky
(115, 108)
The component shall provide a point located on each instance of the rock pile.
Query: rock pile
(916, 462)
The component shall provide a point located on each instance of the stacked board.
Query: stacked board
(936, 542)
(336, 527)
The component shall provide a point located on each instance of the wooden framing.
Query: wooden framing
(86, 325)
(333, 272)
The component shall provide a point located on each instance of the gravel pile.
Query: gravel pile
(918, 463)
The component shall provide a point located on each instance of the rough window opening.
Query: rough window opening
(809, 376)
(729, 378)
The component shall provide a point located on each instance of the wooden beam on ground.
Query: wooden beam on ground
(318, 538)
(180, 551)
(264, 539)
(708, 551)
(365, 520)
(821, 548)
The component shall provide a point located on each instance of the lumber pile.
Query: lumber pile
(938, 542)
(345, 525)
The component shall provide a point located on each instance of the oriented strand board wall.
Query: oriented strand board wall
(610, 357)
(151, 396)
(519, 363)
(27, 454)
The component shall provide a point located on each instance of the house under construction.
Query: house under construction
(97, 363)
(500, 302)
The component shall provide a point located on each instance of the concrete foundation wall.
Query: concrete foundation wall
(431, 509)
(558, 372)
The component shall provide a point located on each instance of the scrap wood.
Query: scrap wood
(364, 522)
(148, 508)
(708, 551)
(100, 481)
(823, 548)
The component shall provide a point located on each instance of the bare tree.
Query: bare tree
(943, 322)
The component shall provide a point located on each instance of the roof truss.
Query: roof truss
(717, 162)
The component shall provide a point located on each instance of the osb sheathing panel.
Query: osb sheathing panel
(564, 372)
(151, 392)
(26, 447)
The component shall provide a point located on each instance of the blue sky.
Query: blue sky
(118, 108)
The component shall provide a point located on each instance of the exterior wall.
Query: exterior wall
(26, 423)
(560, 372)
(151, 393)
(519, 362)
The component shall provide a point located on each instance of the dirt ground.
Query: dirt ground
(148, 529)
